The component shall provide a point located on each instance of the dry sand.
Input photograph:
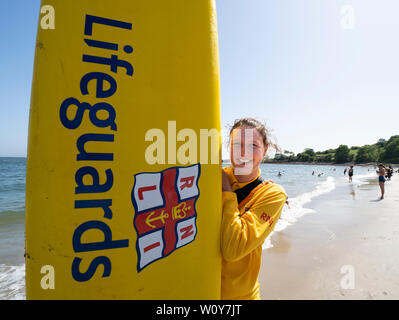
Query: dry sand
(350, 233)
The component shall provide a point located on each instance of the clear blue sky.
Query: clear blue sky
(287, 62)
(18, 26)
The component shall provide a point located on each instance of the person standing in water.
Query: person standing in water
(381, 179)
(251, 208)
(350, 173)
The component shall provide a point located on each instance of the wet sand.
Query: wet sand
(347, 249)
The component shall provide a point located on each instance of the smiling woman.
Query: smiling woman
(251, 208)
(254, 139)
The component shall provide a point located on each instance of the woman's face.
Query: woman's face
(246, 150)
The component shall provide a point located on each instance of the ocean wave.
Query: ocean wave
(12, 282)
(296, 208)
(362, 179)
(11, 217)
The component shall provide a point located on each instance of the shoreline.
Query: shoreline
(346, 164)
(350, 235)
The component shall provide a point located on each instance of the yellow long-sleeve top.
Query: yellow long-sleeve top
(244, 229)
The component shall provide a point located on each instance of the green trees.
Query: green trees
(381, 143)
(307, 156)
(342, 154)
(304, 157)
(391, 150)
(382, 151)
(367, 153)
(310, 152)
(325, 157)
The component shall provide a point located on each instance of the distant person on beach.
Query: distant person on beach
(389, 173)
(279, 174)
(251, 208)
(350, 173)
(345, 171)
(287, 203)
(381, 180)
(313, 173)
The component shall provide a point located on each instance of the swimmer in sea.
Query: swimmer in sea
(350, 173)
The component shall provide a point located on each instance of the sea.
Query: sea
(302, 183)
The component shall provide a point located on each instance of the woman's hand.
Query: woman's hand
(225, 182)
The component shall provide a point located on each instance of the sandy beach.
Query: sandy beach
(346, 249)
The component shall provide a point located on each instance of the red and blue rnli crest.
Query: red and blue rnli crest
(165, 216)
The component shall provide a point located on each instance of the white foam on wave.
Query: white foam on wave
(296, 208)
(12, 282)
(361, 179)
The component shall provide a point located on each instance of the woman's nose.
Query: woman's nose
(243, 153)
(246, 150)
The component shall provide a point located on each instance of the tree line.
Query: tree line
(386, 151)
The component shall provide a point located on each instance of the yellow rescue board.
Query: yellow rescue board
(111, 213)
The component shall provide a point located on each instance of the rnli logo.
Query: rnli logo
(165, 216)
